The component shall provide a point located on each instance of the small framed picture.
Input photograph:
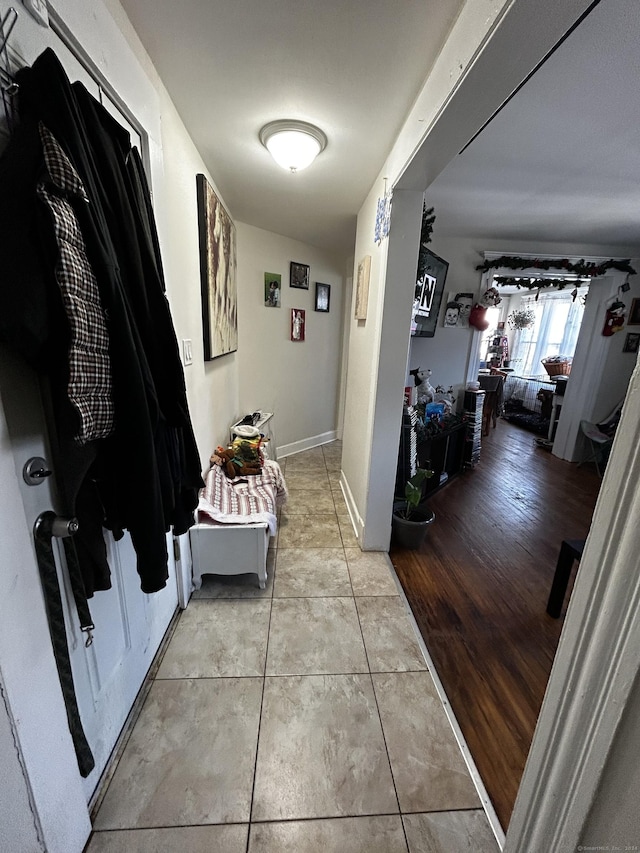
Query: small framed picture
(297, 324)
(632, 342)
(272, 287)
(323, 296)
(299, 275)
(634, 315)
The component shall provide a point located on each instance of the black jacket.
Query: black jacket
(146, 476)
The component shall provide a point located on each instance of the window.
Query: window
(554, 332)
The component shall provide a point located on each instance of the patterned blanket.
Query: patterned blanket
(243, 500)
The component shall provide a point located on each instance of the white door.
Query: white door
(129, 625)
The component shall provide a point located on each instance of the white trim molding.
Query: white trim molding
(305, 444)
(596, 666)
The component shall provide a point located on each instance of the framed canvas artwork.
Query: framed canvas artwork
(217, 273)
(634, 313)
(362, 288)
(272, 288)
(323, 296)
(299, 275)
(297, 324)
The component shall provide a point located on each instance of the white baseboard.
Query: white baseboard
(356, 522)
(306, 444)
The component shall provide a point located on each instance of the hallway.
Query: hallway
(299, 718)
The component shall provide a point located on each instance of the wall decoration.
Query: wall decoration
(383, 216)
(217, 273)
(299, 275)
(631, 342)
(272, 287)
(588, 269)
(451, 317)
(614, 318)
(323, 296)
(428, 294)
(634, 313)
(297, 324)
(426, 230)
(458, 309)
(362, 288)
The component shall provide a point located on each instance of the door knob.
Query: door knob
(48, 525)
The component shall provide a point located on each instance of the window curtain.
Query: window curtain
(554, 332)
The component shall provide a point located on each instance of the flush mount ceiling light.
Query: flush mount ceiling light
(294, 145)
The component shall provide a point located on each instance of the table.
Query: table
(556, 405)
(570, 550)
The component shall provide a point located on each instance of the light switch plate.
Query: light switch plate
(38, 10)
(187, 353)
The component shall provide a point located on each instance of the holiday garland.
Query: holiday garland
(428, 218)
(584, 268)
(537, 283)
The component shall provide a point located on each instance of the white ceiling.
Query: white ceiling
(560, 163)
(352, 67)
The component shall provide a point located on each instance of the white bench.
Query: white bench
(229, 549)
(222, 543)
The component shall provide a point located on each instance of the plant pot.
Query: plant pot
(410, 533)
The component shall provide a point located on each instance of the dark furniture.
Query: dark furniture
(444, 454)
(570, 550)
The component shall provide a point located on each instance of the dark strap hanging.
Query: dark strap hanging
(78, 589)
(43, 532)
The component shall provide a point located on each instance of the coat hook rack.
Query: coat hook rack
(6, 27)
(8, 86)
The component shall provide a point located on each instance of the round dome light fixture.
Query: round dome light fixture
(294, 145)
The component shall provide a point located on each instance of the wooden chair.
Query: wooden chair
(493, 386)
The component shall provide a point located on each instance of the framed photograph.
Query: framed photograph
(323, 296)
(631, 342)
(272, 287)
(428, 296)
(362, 288)
(299, 275)
(297, 324)
(219, 294)
(634, 313)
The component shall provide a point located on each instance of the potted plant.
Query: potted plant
(410, 521)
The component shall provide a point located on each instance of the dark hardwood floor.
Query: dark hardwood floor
(478, 589)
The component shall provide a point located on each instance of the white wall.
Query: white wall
(362, 355)
(298, 381)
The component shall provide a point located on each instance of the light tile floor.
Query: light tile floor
(297, 719)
